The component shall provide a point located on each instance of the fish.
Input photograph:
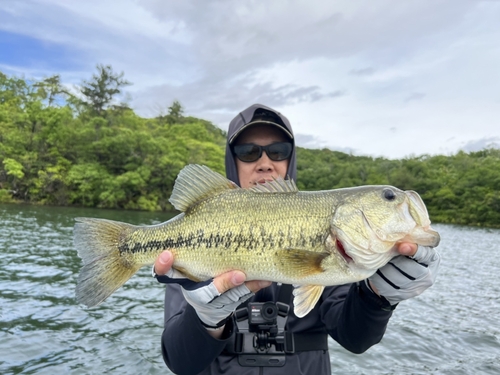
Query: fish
(272, 231)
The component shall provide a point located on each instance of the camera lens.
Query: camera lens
(269, 311)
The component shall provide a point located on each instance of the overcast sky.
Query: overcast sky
(390, 78)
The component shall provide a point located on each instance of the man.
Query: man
(200, 328)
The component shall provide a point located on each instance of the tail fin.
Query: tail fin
(104, 269)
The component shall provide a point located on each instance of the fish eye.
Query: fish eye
(389, 194)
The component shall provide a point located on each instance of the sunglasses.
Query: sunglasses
(248, 152)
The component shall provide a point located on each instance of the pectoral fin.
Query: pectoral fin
(305, 298)
(300, 263)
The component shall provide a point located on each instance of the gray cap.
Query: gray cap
(258, 114)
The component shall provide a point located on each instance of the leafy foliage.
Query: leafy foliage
(57, 149)
(101, 90)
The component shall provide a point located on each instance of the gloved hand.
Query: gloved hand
(405, 277)
(214, 308)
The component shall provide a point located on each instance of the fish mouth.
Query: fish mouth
(422, 234)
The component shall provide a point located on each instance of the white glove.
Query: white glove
(406, 277)
(214, 308)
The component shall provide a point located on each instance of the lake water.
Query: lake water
(453, 328)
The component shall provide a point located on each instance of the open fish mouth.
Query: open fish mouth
(422, 234)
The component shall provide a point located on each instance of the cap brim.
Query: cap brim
(244, 127)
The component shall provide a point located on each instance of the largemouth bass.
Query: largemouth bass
(270, 232)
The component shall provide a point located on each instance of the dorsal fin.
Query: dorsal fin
(195, 183)
(278, 185)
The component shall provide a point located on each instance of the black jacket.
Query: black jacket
(350, 314)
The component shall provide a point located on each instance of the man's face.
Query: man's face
(263, 169)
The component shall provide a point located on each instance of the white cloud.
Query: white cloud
(479, 144)
(389, 78)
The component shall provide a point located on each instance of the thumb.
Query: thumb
(163, 263)
(407, 248)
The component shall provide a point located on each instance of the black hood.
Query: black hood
(260, 114)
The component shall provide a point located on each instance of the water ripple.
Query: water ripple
(451, 329)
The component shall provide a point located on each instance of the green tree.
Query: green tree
(101, 90)
(50, 89)
(175, 112)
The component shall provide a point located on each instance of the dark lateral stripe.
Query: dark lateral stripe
(169, 243)
(230, 240)
(194, 240)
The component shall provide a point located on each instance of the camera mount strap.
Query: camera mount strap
(267, 345)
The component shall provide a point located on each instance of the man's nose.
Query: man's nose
(265, 164)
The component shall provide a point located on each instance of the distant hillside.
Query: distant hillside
(59, 149)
